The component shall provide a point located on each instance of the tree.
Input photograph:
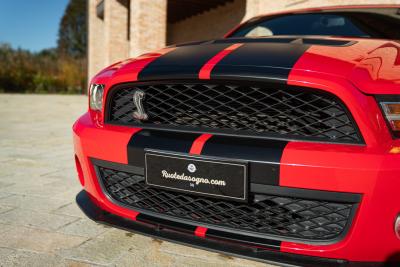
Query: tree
(72, 41)
(53, 70)
(72, 33)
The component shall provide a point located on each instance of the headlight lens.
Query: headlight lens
(391, 110)
(96, 92)
(397, 226)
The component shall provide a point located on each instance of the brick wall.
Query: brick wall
(148, 26)
(208, 25)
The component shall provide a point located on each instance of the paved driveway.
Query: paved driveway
(40, 224)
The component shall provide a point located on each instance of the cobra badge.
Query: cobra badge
(139, 113)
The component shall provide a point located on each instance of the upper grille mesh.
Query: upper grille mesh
(290, 112)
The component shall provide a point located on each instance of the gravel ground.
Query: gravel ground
(40, 224)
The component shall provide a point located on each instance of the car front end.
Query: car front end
(280, 149)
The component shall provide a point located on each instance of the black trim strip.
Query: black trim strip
(211, 233)
(184, 62)
(300, 39)
(251, 241)
(264, 156)
(306, 193)
(159, 140)
(162, 222)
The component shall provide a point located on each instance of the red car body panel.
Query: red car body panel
(205, 72)
(355, 74)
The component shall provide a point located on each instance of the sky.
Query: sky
(31, 24)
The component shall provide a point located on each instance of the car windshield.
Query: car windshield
(350, 24)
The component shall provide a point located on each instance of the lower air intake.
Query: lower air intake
(265, 215)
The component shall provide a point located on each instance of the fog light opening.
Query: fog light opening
(397, 226)
(79, 170)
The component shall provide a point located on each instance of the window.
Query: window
(303, 24)
(100, 10)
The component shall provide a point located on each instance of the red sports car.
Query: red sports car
(279, 142)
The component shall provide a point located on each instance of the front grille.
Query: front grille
(264, 215)
(283, 111)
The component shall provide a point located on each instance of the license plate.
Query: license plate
(197, 175)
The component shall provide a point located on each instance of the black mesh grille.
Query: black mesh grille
(290, 112)
(265, 214)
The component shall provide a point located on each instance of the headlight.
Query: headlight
(96, 92)
(397, 226)
(391, 110)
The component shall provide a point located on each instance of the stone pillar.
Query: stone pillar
(116, 30)
(253, 8)
(148, 26)
(96, 45)
(107, 36)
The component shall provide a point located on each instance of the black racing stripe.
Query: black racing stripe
(253, 240)
(264, 156)
(160, 140)
(260, 61)
(165, 223)
(184, 62)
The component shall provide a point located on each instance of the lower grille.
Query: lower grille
(264, 215)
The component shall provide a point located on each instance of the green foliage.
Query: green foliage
(72, 32)
(16, 69)
(55, 70)
(46, 72)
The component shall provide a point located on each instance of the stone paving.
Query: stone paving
(40, 224)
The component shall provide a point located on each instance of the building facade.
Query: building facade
(119, 29)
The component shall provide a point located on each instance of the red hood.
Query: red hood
(372, 65)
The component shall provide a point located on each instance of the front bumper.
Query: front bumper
(158, 230)
(370, 173)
